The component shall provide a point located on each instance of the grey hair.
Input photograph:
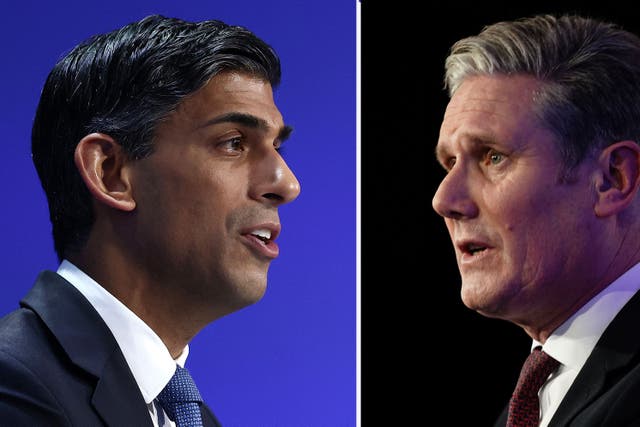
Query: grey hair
(589, 72)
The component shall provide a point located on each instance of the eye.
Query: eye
(494, 157)
(232, 145)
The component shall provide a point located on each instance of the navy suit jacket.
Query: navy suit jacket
(606, 392)
(61, 366)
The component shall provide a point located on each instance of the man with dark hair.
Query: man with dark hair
(157, 146)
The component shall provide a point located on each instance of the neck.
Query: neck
(169, 314)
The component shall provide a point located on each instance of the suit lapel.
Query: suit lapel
(113, 394)
(610, 357)
(501, 421)
(90, 345)
(208, 419)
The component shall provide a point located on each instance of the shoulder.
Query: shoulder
(25, 397)
(24, 337)
(22, 333)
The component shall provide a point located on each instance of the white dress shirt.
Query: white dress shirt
(148, 358)
(573, 341)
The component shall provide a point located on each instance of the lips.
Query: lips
(472, 249)
(261, 239)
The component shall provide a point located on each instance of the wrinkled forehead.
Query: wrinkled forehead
(491, 103)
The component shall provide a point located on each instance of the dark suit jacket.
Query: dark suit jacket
(61, 366)
(606, 392)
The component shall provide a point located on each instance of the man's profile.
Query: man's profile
(157, 146)
(540, 147)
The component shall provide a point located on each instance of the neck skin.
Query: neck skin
(541, 332)
(624, 255)
(172, 315)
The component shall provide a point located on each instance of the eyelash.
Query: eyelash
(235, 144)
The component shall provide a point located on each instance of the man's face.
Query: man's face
(207, 198)
(521, 234)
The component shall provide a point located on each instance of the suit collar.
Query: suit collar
(147, 356)
(611, 355)
(76, 325)
(90, 345)
(573, 341)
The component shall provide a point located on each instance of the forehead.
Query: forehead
(230, 92)
(491, 107)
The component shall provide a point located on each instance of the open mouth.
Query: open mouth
(263, 241)
(263, 235)
(474, 249)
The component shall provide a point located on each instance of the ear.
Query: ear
(102, 164)
(618, 179)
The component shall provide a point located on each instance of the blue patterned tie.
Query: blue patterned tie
(181, 399)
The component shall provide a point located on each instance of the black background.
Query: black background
(425, 356)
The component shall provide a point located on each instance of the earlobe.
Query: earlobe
(101, 162)
(619, 177)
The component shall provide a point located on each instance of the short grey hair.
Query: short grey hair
(589, 72)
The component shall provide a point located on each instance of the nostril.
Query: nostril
(272, 196)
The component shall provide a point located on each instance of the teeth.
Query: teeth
(474, 248)
(263, 234)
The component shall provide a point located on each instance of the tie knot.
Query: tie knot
(180, 398)
(535, 371)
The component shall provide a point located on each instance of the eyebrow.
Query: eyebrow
(477, 140)
(248, 120)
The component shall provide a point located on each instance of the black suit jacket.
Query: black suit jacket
(61, 366)
(606, 392)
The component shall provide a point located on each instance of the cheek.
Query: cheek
(540, 232)
(524, 202)
(518, 218)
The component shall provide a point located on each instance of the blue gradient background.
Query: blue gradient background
(289, 360)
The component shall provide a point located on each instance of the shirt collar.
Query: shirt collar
(148, 358)
(573, 341)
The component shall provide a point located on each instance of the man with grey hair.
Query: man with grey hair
(539, 142)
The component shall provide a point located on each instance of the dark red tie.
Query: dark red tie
(524, 407)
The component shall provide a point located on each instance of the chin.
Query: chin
(477, 298)
(251, 291)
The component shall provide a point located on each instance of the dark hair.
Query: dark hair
(589, 70)
(124, 83)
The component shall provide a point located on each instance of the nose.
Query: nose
(452, 199)
(275, 182)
